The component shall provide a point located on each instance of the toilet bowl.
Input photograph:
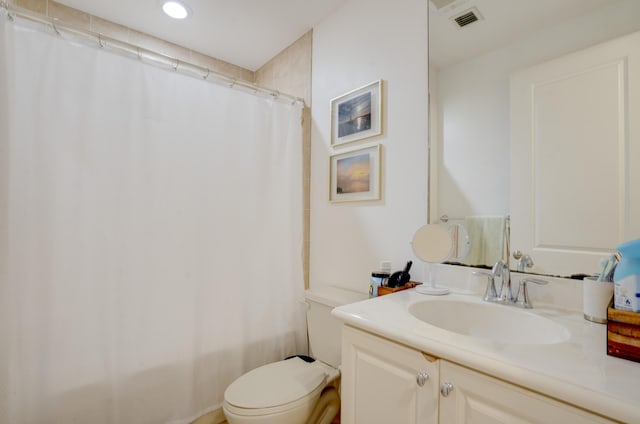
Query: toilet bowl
(294, 390)
(281, 392)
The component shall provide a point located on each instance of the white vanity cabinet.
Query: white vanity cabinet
(385, 382)
(477, 398)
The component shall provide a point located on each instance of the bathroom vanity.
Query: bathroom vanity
(477, 362)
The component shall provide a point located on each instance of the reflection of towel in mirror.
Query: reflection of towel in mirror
(486, 235)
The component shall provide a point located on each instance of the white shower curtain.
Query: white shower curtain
(151, 235)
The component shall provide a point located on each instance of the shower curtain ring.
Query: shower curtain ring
(207, 76)
(175, 68)
(232, 83)
(100, 41)
(138, 51)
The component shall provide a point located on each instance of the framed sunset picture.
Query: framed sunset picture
(355, 175)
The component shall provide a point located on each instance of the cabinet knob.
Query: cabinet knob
(445, 389)
(422, 378)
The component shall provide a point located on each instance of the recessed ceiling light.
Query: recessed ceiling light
(175, 9)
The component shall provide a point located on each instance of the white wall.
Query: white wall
(363, 41)
(473, 108)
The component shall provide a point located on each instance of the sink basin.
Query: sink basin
(499, 323)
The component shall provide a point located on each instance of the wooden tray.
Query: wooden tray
(623, 334)
(382, 290)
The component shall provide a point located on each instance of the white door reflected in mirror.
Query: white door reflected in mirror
(432, 244)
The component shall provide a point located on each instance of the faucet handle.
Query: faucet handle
(490, 292)
(497, 268)
(524, 293)
(524, 261)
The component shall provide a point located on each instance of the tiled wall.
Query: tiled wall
(290, 72)
(89, 22)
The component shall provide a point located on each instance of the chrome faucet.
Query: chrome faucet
(505, 293)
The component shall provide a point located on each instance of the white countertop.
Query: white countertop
(577, 371)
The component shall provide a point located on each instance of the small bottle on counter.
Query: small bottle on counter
(378, 278)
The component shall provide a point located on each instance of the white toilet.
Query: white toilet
(294, 391)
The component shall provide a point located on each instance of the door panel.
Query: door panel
(380, 385)
(479, 399)
(574, 156)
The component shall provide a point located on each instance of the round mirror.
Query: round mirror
(432, 243)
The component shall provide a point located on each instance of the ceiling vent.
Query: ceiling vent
(467, 17)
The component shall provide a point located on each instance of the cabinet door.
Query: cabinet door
(384, 382)
(479, 399)
(575, 157)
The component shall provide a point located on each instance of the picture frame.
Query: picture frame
(355, 175)
(357, 114)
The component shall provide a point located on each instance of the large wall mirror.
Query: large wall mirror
(565, 173)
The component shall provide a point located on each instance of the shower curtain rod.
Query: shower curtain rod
(144, 53)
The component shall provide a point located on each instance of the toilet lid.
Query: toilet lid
(275, 384)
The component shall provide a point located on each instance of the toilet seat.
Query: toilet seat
(277, 387)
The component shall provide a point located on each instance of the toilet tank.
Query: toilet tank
(325, 331)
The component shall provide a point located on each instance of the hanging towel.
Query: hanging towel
(487, 238)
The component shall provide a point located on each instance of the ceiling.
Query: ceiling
(505, 21)
(248, 33)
